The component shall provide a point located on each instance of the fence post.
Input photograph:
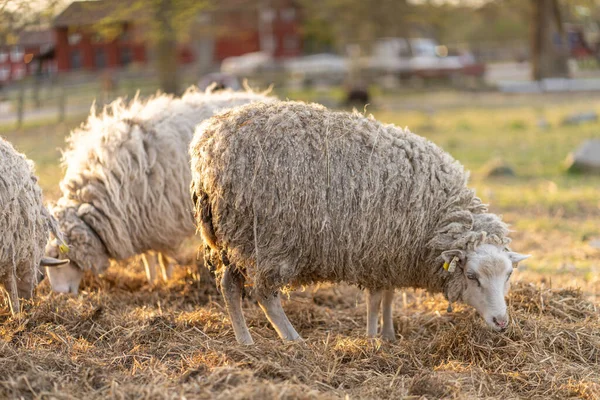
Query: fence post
(20, 104)
(62, 102)
(35, 94)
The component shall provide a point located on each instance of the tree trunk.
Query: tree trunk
(166, 47)
(549, 49)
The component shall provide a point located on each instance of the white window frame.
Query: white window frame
(74, 38)
(267, 15)
(16, 53)
(4, 72)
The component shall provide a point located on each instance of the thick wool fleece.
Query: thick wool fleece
(126, 186)
(293, 194)
(24, 221)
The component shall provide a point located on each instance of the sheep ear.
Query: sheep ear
(516, 258)
(52, 262)
(450, 254)
(453, 259)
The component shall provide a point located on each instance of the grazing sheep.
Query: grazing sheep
(126, 186)
(291, 194)
(24, 226)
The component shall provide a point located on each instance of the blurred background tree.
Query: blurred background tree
(16, 16)
(19, 16)
(334, 24)
(538, 24)
(164, 23)
(549, 48)
(330, 25)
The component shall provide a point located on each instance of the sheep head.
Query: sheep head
(482, 280)
(85, 251)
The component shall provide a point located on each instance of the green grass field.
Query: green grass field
(122, 338)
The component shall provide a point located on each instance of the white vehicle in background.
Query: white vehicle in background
(420, 59)
(247, 64)
(317, 68)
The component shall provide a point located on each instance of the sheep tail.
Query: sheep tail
(204, 215)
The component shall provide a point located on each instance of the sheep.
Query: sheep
(126, 185)
(290, 194)
(24, 227)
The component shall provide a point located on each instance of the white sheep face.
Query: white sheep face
(65, 279)
(487, 271)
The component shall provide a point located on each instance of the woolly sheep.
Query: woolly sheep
(291, 194)
(24, 226)
(126, 185)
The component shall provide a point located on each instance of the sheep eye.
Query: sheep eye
(474, 278)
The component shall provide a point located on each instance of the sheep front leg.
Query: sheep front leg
(232, 285)
(10, 286)
(149, 260)
(387, 330)
(373, 303)
(271, 306)
(166, 267)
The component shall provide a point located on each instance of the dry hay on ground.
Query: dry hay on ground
(120, 339)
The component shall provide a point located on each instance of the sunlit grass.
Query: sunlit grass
(474, 136)
(41, 141)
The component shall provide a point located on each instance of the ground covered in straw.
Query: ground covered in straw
(121, 338)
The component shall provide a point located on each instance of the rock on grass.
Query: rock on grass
(586, 159)
(497, 167)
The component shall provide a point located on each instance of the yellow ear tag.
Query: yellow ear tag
(63, 248)
(452, 266)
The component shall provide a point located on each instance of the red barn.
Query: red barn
(229, 28)
(245, 26)
(80, 45)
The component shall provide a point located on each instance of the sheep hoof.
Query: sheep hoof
(295, 339)
(246, 342)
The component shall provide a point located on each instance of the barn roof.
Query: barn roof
(81, 13)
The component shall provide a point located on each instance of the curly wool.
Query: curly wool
(126, 186)
(294, 194)
(24, 221)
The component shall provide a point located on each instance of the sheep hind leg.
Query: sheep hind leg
(387, 329)
(232, 286)
(271, 306)
(373, 305)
